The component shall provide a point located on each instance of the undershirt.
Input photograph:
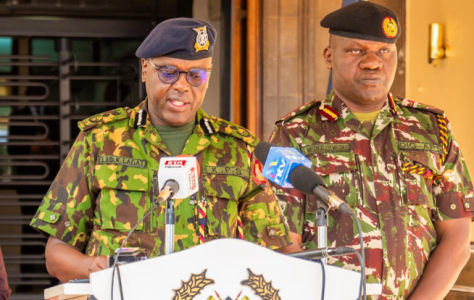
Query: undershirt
(367, 119)
(175, 137)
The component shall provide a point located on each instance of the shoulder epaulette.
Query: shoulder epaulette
(417, 105)
(236, 131)
(104, 118)
(305, 107)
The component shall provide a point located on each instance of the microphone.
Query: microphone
(279, 162)
(307, 181)
(178, 178)
(322, 253)
(297, 173)
(171, 188)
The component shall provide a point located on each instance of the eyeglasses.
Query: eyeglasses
(170, 74)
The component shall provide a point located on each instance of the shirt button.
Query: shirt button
(272, 232)
(52, 217)
(466, 205)
(67, 223)
(259, 235)
(453, 206)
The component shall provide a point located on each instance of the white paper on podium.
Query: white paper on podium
(228, 269)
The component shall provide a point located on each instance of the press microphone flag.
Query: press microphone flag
(183, 171)
(279, 162)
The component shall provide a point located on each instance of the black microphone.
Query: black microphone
(170, 188)
(322, 253)
(305, 180)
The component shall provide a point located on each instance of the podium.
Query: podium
(228, 269)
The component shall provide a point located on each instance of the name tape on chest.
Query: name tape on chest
(415, 146)
(224, 170)
(326, 148)
(120, 160)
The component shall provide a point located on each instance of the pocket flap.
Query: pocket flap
(338, 162)
(49, 216)
(428, 159)
(122, 178)
(224, 186)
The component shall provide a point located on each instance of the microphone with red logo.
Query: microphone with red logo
(178, 179)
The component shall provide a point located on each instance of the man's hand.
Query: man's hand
(99, 263)
(447, 260)
(295, 246)
(67, 263)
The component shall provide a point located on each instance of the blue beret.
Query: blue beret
(183, 38)
(365, 21)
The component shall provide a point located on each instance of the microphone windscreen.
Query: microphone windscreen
(305, 180)
(261, 151)
(174, 185)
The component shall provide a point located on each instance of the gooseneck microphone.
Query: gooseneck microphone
(322, 253)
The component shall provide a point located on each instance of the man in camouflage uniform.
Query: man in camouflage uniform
(109, 178)
(394, 161)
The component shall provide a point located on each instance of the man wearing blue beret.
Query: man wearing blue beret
(394, 161)
(109, 180)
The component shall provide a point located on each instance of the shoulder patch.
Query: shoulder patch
(236, 131)
(412, 104)
(305, 107)
(104, 118)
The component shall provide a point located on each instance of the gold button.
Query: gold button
(52, 217)
(466, 205)
(453, 206)
(67, 223)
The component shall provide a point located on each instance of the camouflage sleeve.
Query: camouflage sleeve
(454, 194)
(261, 217)
(291, 201)
(67, 208)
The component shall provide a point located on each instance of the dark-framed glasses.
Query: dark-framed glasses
(170, 74)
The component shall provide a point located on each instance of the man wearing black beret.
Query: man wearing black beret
(109, 180)
(394, 161)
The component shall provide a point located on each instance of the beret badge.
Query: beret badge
(202, 39)
(389, 27)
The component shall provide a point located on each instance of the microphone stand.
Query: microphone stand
(322, 224)
(169, 221)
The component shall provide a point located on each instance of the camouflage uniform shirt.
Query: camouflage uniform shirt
(371, 171)
(107, 181)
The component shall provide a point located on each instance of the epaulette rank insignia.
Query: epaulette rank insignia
(206, 126)
(328, 112)
(299, 110)
(140, 118)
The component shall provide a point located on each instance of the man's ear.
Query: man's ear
(328, 57)
(144, 69)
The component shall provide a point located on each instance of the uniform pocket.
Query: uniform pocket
(223, 193)
(340, 171)
(418, 167)
(123, 196)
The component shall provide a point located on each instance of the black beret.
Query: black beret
(365, 21)
(183, 38)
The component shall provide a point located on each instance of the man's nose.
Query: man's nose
(371, 61)
(181, 84)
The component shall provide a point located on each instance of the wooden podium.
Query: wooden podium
(227, 269)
